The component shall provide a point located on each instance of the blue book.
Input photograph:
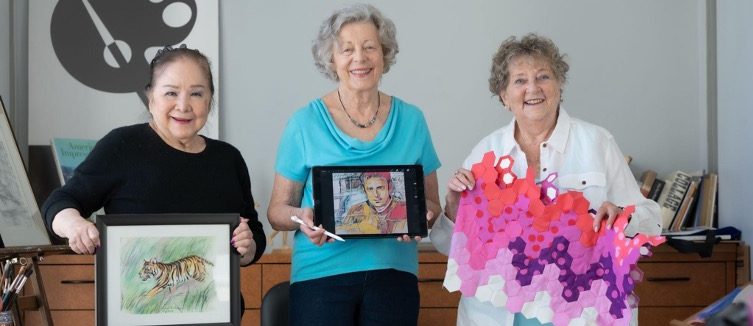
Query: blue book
(68, 154)
(718, 305)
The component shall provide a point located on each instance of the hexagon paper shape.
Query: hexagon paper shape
(511, 232)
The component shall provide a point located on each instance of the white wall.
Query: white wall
(735, 114)
(13, 20)
(5, 51)
(637, 68)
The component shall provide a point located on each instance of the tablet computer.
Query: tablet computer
(370, 201)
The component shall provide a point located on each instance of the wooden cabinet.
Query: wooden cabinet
(438, 307)
(69, 282)
(677, 285)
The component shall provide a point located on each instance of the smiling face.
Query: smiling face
(179, 102)
(533, 92)
(377, 190)
(357, 56)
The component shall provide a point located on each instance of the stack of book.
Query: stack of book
(686, 200)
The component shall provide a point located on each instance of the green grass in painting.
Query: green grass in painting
(191, 296)
(199, 298)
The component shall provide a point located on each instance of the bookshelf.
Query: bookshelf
(686, 199)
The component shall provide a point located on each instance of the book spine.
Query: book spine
(647, 182)
(682, 213)
(709, 201)
(714, 219)
(694, 212)
(656, 189)
(674, 196)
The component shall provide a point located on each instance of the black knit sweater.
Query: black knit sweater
(132, 171)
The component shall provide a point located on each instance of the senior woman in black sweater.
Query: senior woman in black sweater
(163, 166)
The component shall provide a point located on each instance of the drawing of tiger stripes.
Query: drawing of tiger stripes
(169, 275)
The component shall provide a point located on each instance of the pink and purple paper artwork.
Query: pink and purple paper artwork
(531, 249)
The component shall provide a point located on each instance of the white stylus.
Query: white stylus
(316, 228)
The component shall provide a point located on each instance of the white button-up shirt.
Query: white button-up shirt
(586, 159)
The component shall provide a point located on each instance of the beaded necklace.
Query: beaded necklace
(359, 125)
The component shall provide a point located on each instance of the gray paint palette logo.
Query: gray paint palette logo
(108, 44)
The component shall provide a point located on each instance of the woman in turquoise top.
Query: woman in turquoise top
(360, 281)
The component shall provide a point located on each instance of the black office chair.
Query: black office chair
(274, 306)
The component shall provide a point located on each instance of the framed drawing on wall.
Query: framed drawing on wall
(167, 269)
(21, 222)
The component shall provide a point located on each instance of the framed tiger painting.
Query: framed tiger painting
(167, 269)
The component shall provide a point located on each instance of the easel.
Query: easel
(38, 301)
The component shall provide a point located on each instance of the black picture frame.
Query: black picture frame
(153, 242)
(343, 206)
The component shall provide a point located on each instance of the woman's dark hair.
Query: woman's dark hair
(170, 54)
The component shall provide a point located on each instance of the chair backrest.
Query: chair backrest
(274, 306)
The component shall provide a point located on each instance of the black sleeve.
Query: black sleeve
(249, 211)
(92, 182)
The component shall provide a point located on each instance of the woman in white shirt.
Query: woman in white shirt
(528, 76)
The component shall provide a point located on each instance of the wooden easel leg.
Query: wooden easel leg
(44, 308)
(17, 316)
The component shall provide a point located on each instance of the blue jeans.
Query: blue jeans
(377, 297)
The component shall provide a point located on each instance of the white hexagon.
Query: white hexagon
(508, 178)
(577, 322)
(484, 293)
(497, 281)
(452, 283)
(644, 251)
(589, 315)
(505, 162)
(499, 299)
(495, 285)
(545, 315)
(452, 280)
(452, 266)
(529, 309)
(539, 308)
(551, 193)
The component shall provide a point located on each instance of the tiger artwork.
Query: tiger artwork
(169, 275)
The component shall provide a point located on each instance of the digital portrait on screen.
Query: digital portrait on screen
(369, 203)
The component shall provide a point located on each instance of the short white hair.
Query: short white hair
(331, 27)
